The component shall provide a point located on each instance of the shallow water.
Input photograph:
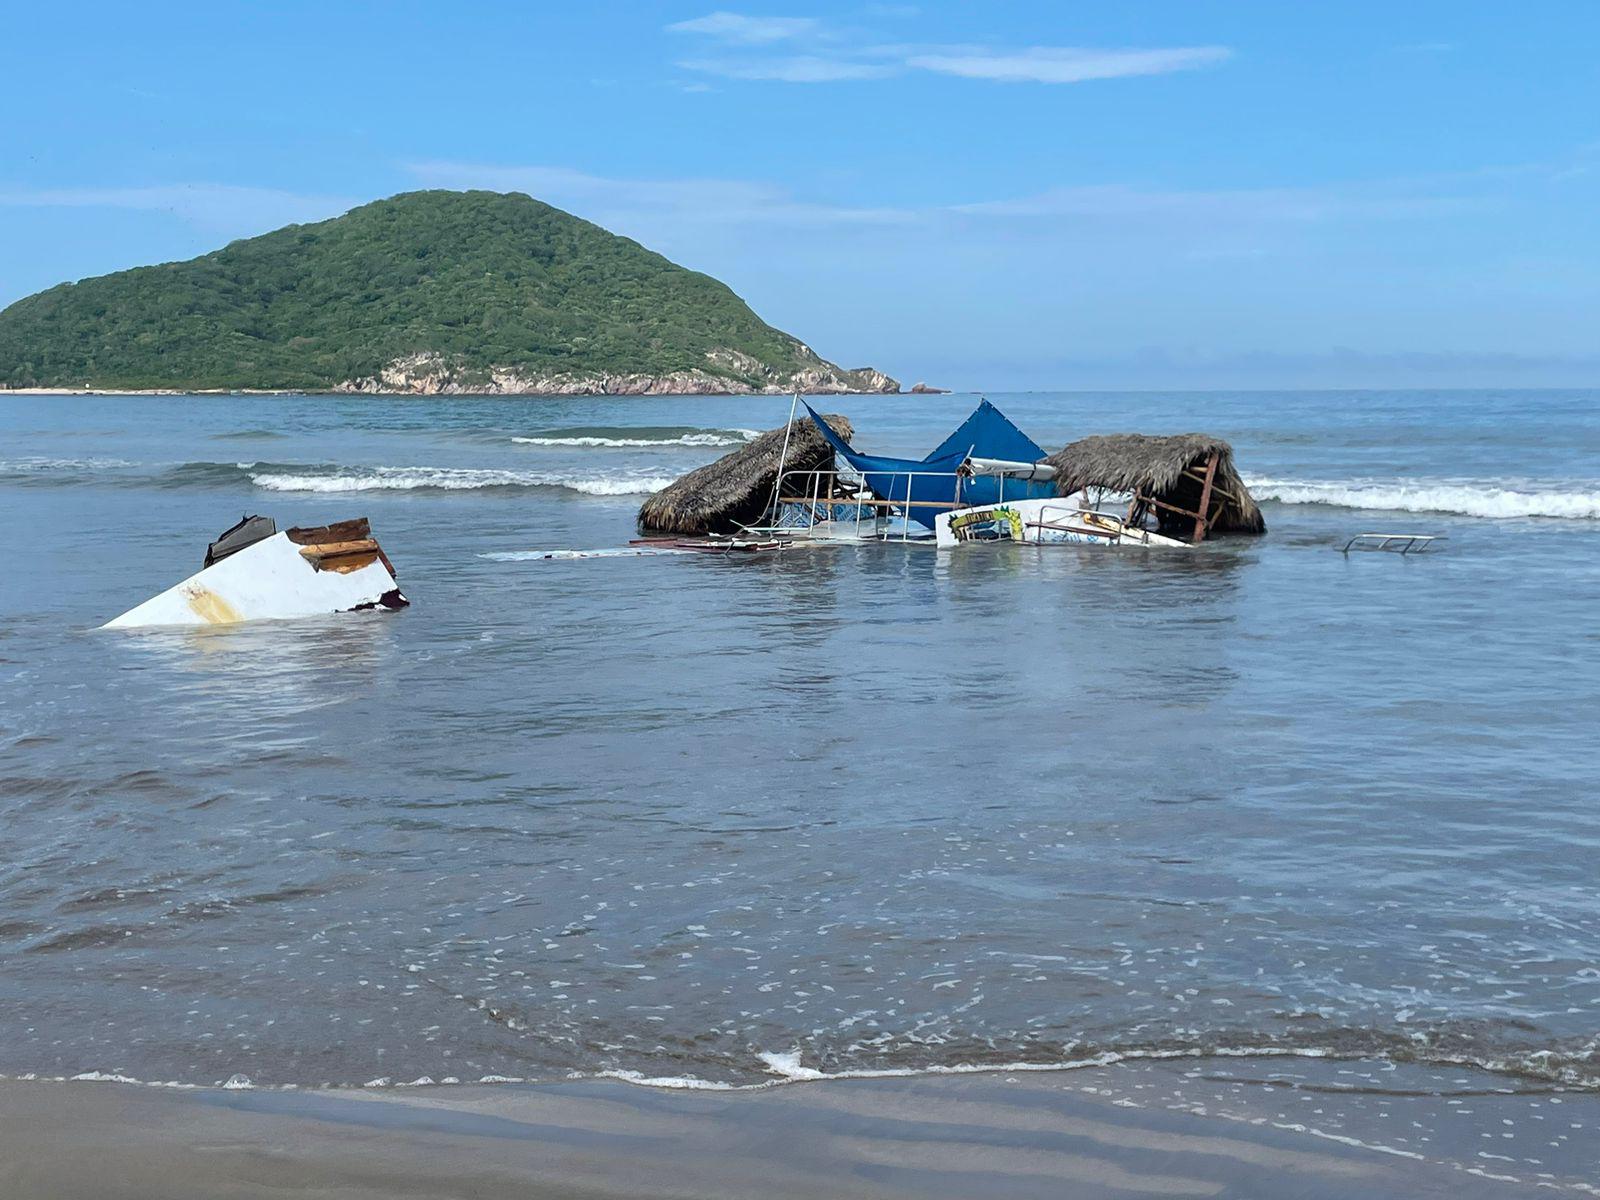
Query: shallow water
(847, 809)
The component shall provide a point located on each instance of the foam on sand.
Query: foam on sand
(1334, 1130)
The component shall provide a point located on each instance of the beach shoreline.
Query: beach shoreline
(1121, 1131)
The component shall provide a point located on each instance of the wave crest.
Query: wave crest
(451, 479)
(641, 438)
(333, 477)
(1489, 500)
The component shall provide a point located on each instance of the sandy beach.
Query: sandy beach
(1157, 1130)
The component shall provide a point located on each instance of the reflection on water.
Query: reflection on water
(880, 806)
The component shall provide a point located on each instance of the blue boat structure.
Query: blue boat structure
(972, 466)
(987, 481)
(806, 483)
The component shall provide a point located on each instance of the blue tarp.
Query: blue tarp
(985, 434)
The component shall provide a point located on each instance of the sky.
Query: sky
(1001, 195)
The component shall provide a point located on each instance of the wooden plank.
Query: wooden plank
(344, 557)
(334, 549)
(340, 531)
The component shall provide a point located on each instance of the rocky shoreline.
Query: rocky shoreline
(729, 373)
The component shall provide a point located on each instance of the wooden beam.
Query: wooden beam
(1205, 500)
(1216, 488)
(1171, 508)
(850, 501)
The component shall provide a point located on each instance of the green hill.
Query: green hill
(428, 291)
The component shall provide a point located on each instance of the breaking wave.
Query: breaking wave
(639, 438)
(292, 477)
(42, 470)
(1489, 500)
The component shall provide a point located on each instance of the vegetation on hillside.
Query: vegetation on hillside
(480, 278)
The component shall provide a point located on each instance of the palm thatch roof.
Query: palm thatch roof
(1166, 469)
(736, 489)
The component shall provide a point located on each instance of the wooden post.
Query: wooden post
(1204, 507)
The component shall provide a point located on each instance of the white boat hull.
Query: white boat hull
(272, 579)
(1042, 523)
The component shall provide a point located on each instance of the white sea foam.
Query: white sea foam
(787, 1064)
(715, 437)
(1488, 499)
(377, 479)
(672, 1082)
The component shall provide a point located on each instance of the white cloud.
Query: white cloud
(747, 31)
(1065, 64)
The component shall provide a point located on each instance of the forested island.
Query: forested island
(428, 292)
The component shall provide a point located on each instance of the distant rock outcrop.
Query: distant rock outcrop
(429, 374)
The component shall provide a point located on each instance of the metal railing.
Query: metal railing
(815, 497)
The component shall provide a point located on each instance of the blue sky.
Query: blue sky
(997, 195)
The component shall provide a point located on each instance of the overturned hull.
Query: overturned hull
(274, 576)
(1043, 523)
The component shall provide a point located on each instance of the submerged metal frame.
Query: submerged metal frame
(1410, 543)
(811, 490)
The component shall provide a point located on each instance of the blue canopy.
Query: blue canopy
(988, 434)
(932, 480)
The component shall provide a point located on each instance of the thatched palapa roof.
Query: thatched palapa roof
(1169, 469)
(736, 489)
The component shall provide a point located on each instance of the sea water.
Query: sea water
(845, 809)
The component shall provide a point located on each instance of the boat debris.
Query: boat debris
(1045, 523)
(736, 490)
(1186, 482)
(253, 572)
(804, 484)
(1397, 543)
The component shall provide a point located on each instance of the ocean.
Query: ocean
(857, 809)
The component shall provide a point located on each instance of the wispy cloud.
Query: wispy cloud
(664, 204)
(1220, 207)
(1047, 64)
(798, 68)
(805, 50)
(745, 30)
(228, 209)
(621, 203)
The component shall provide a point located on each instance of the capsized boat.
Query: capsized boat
(254, 572)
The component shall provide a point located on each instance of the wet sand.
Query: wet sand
(1155, 1130)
